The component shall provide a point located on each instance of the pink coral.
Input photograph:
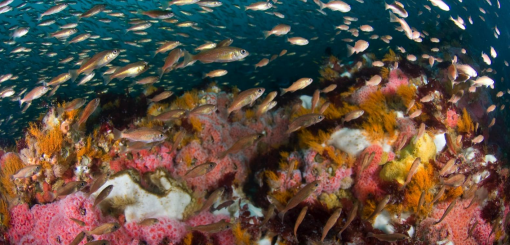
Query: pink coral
(367, 181)
(451, 118)
(22, 221)
(396, 79)
(166, 228)
(455, 226)
(362, 94)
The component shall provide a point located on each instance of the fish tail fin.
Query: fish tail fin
(321, 4)
(60, 110)
(350, 50)
(161, 72)
(117, 134)
(187, 58)
(154, 53)
(106, 79)
(165, 4)
(386, 6)
(394, 18)
(266, 34)
(40, 17)
(283, 91)
(222, 154)
(74, 74)
(78, 18)
(76, 126)
(21, 103)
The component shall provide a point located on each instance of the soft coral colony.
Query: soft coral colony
(390, 160)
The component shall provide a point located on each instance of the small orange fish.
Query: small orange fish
(304, 121)
(324, 107)
(170, 115)
(477, 139)
(148, 222)
(98, 182)
(212, 199)
(395, 237)
(448, 167)
(74, 104)
(380, 206)
(71, 187)
(297, 85)
(104, 229)
(299, 219)
(241, 144)
(315, 99)
(421, 201)
(329, 88)
(415, 114)
(300, 196)
(439, 194)
(205, 109)
(200, 170)
(77, 240)
(455, 180)
(421, 132)
(98, 242)
(331, 222)
(161, 96)
(147, 135)
(269, 214)
(244, 98)
(212, 228)
(350, 218)
(353, 115)
(450, 207)
(102, 195)
(89, 109)
(78, 222)
(412, 171)
(28, 171)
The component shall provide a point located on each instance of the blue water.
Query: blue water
(245, 28)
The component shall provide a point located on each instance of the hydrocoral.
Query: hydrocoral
(465, 124)
(452, 118)
(396, 79)
(367, 182)
(48, 142)
(378, 119)
(456, 225)
(9, 165)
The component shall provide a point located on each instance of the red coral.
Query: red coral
(451, 118)
(362, 94)
(367, 181)
(396, 79)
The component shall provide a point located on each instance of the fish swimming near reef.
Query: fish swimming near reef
(147, 135)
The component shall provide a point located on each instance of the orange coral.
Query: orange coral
(188, 239)
(390, 56)
(378, 119)
(334, 112)
(195, 123)
(249, 114)
(368, 208)
(465, 124)
(12, 164)
(187, 158)
(309, 140)
(156, 108)
(187, 101)
(335, 155)
(49, 142)
(4, 213)
(241, 236)
(385, 73)
(423, 180)
(90, 151)
(406, 94)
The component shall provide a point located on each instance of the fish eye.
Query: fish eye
(260, 90)
(243, 51)
(161, 135)
(321, 117)
(316, 184)
(115, 51)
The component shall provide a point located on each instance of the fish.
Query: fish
(269, 214)
(263, 62)
(103, 195)
(87, 78)
(329, 88)
(486, 58)
(157, 14)
(477, 139)
(263, 108)
(359, 46)
(216, 73)
(439, 194)
(148, 80)
(421, 132)
(395, 237)
(455, 180)
(403, 24)
(148, 222)
(27, 172)
(96, 9)
(440, 4)
(213, 227)
(491, 108)
(300, 219)
(421, 201)
(225, 43)
(172, 58)
(53, 10)
(350, 218)
(244, 98)
(304, 121)
(89, 109)
(70, 188)
(35, 93)
(380, 206)
(241, 144)
(259, 6)
(104, 229)
(200, 170)
(459, 22)
(147, 135)
(330, 223)
(225, 204)
(299, 197)
(98, 182)
(324, 107)
(218, 54)
(130, 70)
(412, 171)
(161, 96)
(450, 207)
(300, 41)
(315, 99)
(278, 30)
(448, 167)
(353, 115)
(297, 85)
(97, 61)
(366, 160)
(415, 114)
(374, 81)
(167, 46)
(335, 6)
(397, 8)
(77, 240)
(78, 222)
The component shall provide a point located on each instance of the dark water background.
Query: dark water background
(246, 31)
